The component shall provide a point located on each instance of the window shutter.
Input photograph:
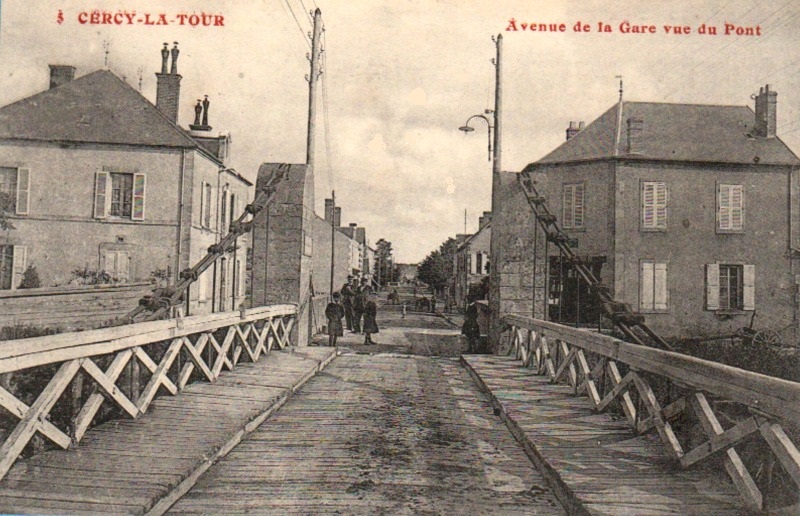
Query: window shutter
(23, 190)
(203, 204)
(749, 292)
(648, 208)
(202, 289)
(137, 213)
(578, 204)
(102, 199)
(737, 206)
(724, 207)
(712, 286)
(646, 290)
(569, 206)
(660, 292)
(660, 205)
(19, 264)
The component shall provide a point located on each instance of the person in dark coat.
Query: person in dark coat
(347, 302)
(370, 318)
(359, 302)
(334, 313)
(470, 329)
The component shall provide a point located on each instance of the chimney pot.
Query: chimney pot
(175, 52)
(61, 74)
(164, 58)
(328, 210)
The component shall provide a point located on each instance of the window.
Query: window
(479, 263)
(13, 260)
(573, 206)
(15, 189)
(654, 205)
(730, 287)
(119, 195)
(205, 205)
(730, 207)
(653, 293)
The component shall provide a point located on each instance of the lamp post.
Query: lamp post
(489, 125)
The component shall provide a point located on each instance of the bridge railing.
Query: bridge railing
(654, 388)
(125, 366)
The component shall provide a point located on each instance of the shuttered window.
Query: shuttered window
(13, 262)
(730, 287)
(205, 205)
(15, 189)
(573, 206)
(653, 292)
(117, 264)
(120, 195)
(654, 205)
(730, 207)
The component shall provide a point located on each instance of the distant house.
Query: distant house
(471, 263)
(689, 213)
(103, 182)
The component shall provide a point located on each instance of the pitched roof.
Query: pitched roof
(473, 236)
(96, 108)
(676, 132)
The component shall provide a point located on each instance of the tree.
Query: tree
(385, 271)
(436, 269)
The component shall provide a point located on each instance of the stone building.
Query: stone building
(689, 213)
(102, 181)
(471, 262)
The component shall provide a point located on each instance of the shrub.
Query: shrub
(30, 278)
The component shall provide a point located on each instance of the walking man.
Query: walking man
(347, 302)
(334, 313)
(370, 318)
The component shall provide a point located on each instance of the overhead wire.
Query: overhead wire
(299, 26)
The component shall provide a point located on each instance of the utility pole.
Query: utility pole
(494, 275)
(333, 233)
(312, 87)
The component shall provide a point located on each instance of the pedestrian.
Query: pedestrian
(433, 303)
(347, 302)
(404, 310)
(359, 302)
(370, 318)
(334, 313)
(470, 329)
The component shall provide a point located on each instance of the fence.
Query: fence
(640, 379)
(127, 367)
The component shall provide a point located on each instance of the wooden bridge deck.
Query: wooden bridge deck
(133, 466)
(597, 464)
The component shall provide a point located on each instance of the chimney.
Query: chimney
(766, 113)
(168, 88)
(328, 210)
(573, 129)
(61, 74)
(337, 217)
(361, 235)
(201, 111)
(484, 219)
(635, 126)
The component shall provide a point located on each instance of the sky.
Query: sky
(400, 76)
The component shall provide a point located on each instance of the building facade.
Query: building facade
(689, 213)
(103, 186)
(471, 265)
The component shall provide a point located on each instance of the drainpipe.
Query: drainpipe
(181, 187)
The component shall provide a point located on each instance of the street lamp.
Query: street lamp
(490, 127)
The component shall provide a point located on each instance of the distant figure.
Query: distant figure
(422, 304)
(471, 330)
(359, 302)
(403, 311)
(370, 318)
(433, 303)
(334, 313)
(347, 302)
(394, 296)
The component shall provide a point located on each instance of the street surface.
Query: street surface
(385, 429)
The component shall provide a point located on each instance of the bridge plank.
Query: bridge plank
(141, 460)
(609, 470)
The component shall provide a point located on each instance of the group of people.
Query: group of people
(353, 302)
